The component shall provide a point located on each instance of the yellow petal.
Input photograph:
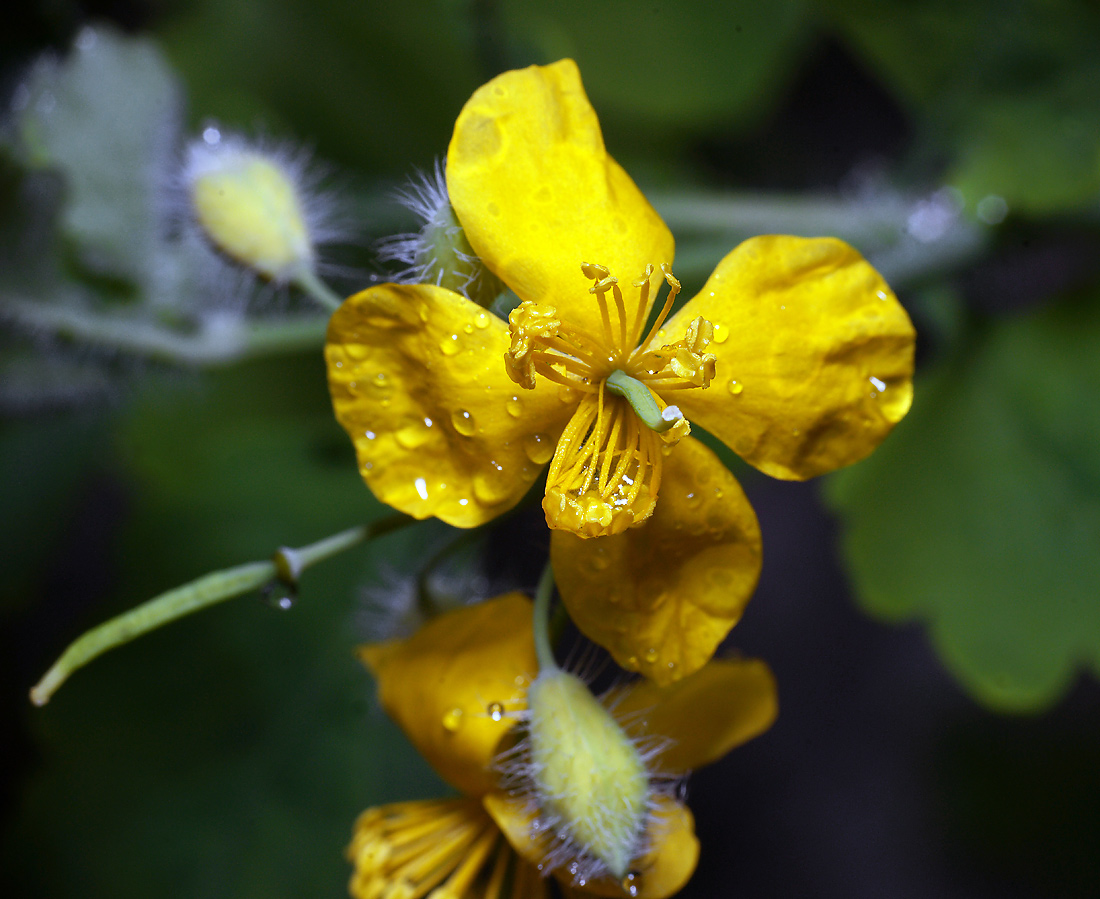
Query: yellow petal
(661, 872)
(704, 716)
(815, 355)
(454, 685)
(538, 195)
(661, 597)
(418, 381)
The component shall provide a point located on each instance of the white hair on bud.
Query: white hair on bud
(421, 255)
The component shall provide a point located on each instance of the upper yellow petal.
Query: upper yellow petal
(417, 379)
(662, 871)
(815, 355)
(661, 597)
(454, 684)
(704, 716)
(537, 194)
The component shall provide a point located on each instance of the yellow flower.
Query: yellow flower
(795, 354)
(455, 688)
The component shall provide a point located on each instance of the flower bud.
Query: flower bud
(249, 206)
(439, 252)
(590, 781)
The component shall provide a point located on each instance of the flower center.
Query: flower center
(606, 469)
(450, 849)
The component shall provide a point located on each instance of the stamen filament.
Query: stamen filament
(643, 305)
(673, 290)
(620, 307)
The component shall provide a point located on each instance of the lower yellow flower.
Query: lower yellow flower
(456, 688)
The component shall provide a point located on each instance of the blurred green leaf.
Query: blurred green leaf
(688, 66)
(105, 117)
(1010, 90)
(372, 84)
(980, 515)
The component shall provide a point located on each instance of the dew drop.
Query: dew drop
(514, 406)
(481, 320)
(356, 350)
(467, 328)
(491, 486)
(879, 385)
(452, 720)
(495, 710)
(735, 387)
(651, 655)
(463, 422)
(721, 332)
(421, 488)
(412, 436)
(567, 394)
(539, 448)
(449, 346)
(279, 595)
(380, 379)
(631, 883)
(631, 663)
(370, 435)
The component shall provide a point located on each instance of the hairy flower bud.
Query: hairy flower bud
(590, 781)
(249, 205)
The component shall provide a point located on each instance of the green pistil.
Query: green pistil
(642, 402)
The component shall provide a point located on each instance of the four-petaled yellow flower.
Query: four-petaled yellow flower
(795, 353)
(455, 688)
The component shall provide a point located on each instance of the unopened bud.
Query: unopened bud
(248, 205)
(588, 775)
(439, 252)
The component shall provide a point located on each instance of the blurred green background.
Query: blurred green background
(932, 614)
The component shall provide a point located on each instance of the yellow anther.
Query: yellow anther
(603, 284)
(644, 280)
(594, 270)
(673, 282)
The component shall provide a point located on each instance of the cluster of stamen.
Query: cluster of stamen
(606, 469)
(446, 849)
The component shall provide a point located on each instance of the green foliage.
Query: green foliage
(666, 70)
(106, 119)
(226, 755)
(1009, 92)
(980, 515)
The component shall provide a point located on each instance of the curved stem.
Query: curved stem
(287, 565)
(308, 282)
(541, 612)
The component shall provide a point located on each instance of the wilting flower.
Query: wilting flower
(795, 353)
(457, 688)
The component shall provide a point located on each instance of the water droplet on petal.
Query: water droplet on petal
(491, 486)
(631, 883)
(463, 422)
(721, 332)
(450, 346)
(651, 655)
(356, 350)
(421, 488)
(481, 320)
(539, 448)
(452, 720)
(495, 710)
(735, 387)
(412, 435)
(514, 406)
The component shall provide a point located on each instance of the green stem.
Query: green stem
(543, 650)
(287, 565)
(308, 282)
(128, 334)
(642, 402)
